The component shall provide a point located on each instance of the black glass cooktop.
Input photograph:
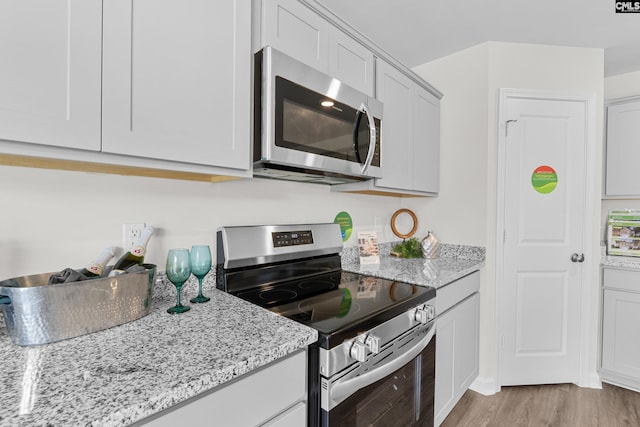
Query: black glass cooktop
(339, 305)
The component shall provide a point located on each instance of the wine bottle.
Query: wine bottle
(96, 267)
(136, 255)
(93, 270)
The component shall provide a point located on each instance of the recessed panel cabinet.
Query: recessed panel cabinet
(129, 81)
(50, 55)
(410, 132)
(623, 130)
(457, 342)
(410, 145)
(177, 80)
(620, 336)
(296, 30)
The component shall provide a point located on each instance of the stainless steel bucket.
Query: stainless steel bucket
(38, 313)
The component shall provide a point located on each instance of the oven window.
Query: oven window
(302, 123)
(402, 399)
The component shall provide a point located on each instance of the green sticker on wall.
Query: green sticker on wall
(346, 225)
(544, 179)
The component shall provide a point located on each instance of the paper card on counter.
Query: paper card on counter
(368, 247)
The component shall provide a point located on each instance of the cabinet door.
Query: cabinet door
(457, 354)
(297, 31)
(620, 333)
(395, 90)
(50, 54)
(426, 142)
(623, 128)
(177, 79)
(410, 132)
(350, 62)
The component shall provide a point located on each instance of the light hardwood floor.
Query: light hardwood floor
(548, 405)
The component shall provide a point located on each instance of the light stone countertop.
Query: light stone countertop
(454, 262)
(124, 374)
(626, 262)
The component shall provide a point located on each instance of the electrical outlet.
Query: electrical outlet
(131, 235)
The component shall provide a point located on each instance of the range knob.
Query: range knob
(425, 314)
(373, 343)
(358, 351)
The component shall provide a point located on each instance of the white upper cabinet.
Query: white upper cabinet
(162, 84)
(410, 133)
(623, 129)
(294, 29)
(177, 80)
(395, 91)
(50, 72)
(426, 142)
(410, 142)
(351, 62)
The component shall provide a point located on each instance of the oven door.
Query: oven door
(312, 121)
(393, 388)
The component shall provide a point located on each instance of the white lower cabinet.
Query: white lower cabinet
(620, 339)
(457, 343)
(276, 396)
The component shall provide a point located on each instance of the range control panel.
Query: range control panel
(292, 238)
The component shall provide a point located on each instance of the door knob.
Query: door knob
(577, 258)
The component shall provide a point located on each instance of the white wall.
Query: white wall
(459, 214)
(470, 80)
(55, 219)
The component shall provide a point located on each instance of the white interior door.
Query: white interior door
(544, 205)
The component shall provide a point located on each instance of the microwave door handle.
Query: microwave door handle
(356, 135)
(372, 138)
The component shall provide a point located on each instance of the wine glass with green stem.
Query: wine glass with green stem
(200, 266)
(178, 271)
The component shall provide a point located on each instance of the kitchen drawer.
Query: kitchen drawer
(278, 389)
(451, 294)
(627, 280)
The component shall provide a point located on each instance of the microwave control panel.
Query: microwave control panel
(292, 238)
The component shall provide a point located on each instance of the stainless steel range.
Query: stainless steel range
(374, 361)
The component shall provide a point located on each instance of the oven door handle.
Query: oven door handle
(341, 390)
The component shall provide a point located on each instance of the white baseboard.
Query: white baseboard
(592, 381)
(485, 386)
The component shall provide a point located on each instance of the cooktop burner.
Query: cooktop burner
(275, 296)
(271, 295)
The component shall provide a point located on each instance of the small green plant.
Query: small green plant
(409, 248)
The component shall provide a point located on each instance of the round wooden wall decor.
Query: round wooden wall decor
(394, 218)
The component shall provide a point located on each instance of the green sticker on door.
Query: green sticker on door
(544, 179)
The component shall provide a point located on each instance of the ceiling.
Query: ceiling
(419, 31)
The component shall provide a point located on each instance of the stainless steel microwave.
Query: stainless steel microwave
(311, 127)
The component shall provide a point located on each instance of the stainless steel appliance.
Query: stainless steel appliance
(374, 361)
(311, 127)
